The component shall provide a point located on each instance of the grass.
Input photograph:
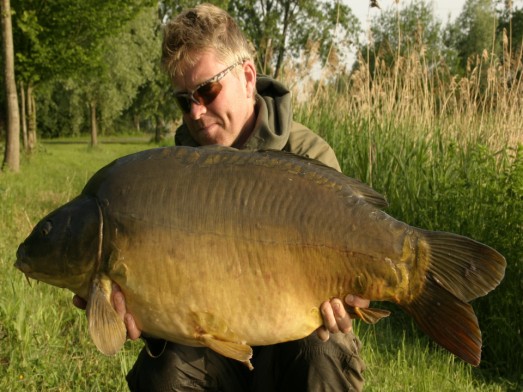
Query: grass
(44, 341)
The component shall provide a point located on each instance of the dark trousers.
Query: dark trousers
(303, 365)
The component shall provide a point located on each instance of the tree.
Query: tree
(12, 147)
(127, 88)
(281, 29)
(396, 33)
(63, 38)
(511, 25)
(474, 31)
(128, 59)
(153, 106)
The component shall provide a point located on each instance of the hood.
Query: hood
(273, 118)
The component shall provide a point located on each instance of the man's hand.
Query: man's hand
(335, 317)
(118, 301)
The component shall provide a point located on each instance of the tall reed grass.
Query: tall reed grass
(446, 152)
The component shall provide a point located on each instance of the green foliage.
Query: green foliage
(60, 41)
(130, 59)
(283, 29)
(473, 32)
(511, 24)
(395, 31)
(128, 66)
(61, 110)
(62, 37)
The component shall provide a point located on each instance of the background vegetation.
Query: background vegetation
(425, 115)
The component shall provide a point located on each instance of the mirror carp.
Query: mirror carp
(230, 249)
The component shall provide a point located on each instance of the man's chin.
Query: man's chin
(211, 136)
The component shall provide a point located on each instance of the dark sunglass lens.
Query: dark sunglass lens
(208, 92)
(184, 102)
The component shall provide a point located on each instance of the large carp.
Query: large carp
(230, 249)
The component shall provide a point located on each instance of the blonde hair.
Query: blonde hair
(199, 29)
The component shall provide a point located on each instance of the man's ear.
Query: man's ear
(249, 70)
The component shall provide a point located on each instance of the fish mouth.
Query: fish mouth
(20, 263)
(60, 279)
(23, 266)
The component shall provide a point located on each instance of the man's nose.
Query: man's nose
(197, 110)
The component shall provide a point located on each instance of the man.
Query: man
(224, 102)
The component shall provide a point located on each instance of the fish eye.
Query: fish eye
(46, 228)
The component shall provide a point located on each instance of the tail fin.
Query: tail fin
(460, 270)
(466, 268)
(449, 321)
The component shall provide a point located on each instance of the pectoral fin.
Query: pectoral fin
(239, 351)
(105, 326)
(369, 315)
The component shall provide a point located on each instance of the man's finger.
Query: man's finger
(329, 319)
(323, 334)
(343, 320)
(355, 301)
(119, 302)
(132, 330)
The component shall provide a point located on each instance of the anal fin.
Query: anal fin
(214, 332)
(238, 351)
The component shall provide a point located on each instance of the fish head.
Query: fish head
(63, 248)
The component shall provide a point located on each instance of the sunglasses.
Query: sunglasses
(205, 92)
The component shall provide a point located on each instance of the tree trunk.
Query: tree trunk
(31, 119)
(94, 125)
(158, 129)
(287, 17)
(12, 145)
(23, 116)
(136, 120)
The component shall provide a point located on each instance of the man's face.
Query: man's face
(229, 118)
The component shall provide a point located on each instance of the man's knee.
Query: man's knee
(337, 360)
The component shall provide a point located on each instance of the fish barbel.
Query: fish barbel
(230, 249)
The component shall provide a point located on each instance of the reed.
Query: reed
(446, 152)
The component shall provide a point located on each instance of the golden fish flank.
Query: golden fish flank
(212, 247)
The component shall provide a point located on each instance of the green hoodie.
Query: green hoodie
(274, 128)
